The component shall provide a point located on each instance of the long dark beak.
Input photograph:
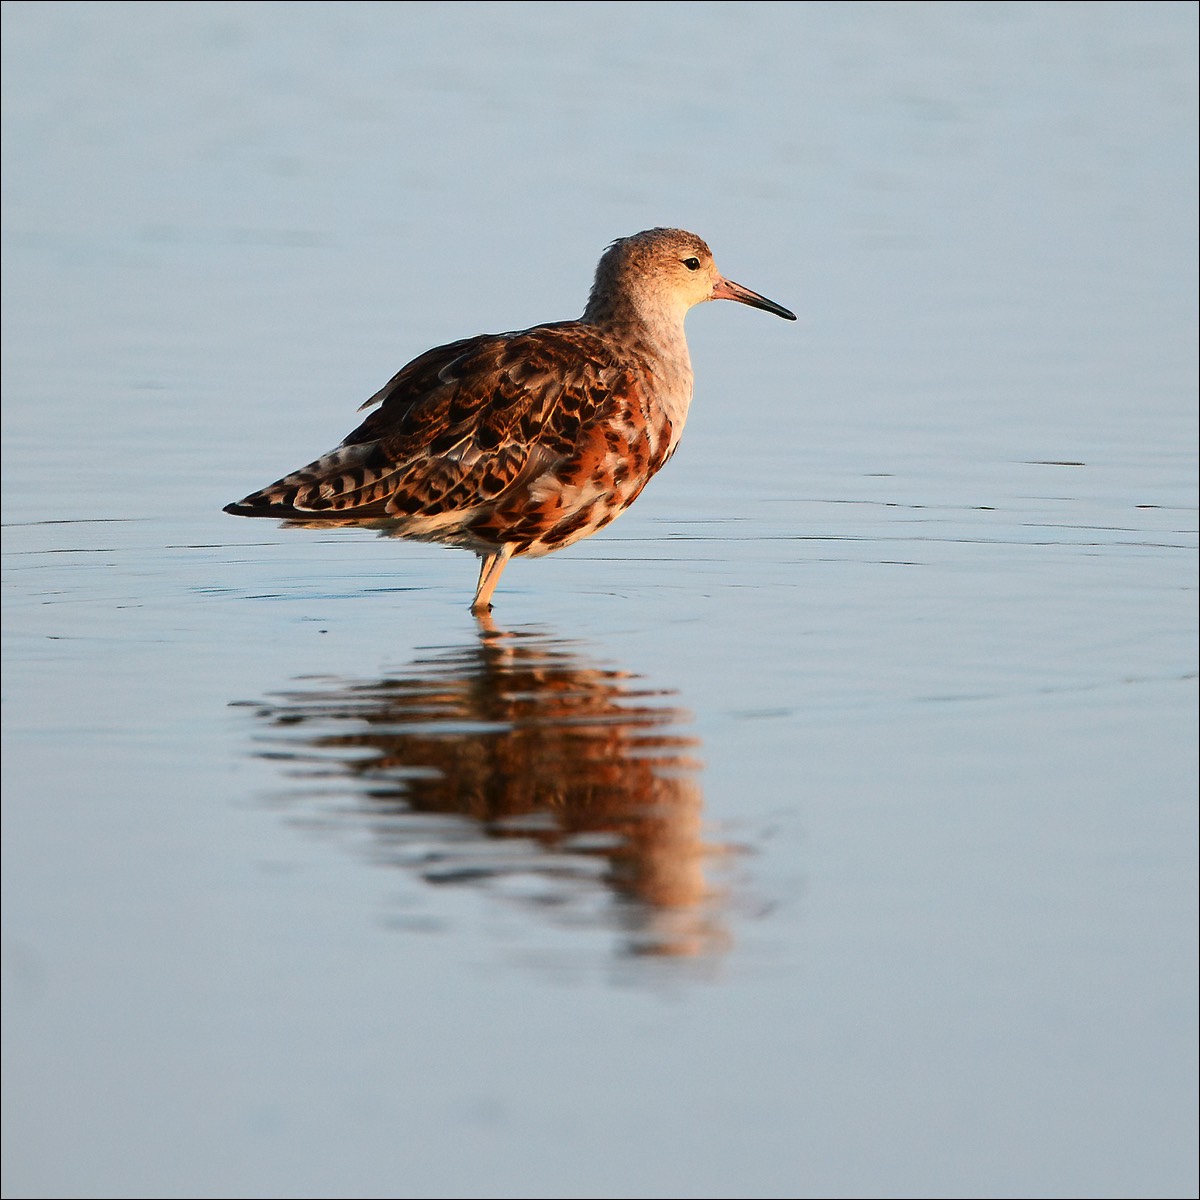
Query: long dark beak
(726, 289)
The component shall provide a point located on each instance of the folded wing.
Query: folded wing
(457, 429)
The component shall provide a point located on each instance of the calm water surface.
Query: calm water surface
(827, 827)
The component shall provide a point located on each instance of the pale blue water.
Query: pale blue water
(827, 827)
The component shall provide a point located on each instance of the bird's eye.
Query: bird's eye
(692, 264)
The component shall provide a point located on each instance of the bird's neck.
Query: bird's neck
(655, 341)
(648, 324)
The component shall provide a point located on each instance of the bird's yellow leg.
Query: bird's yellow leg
(489, 576)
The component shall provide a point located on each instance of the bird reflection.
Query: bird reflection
(515, 764)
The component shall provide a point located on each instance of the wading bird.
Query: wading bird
(522, 443)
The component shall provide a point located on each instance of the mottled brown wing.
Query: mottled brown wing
(458, 427)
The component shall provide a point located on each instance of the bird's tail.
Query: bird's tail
(351, 482)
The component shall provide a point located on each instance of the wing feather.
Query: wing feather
(458, 428)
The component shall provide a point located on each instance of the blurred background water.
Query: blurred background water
(826, 827)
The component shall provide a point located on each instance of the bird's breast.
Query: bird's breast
(662, 392)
